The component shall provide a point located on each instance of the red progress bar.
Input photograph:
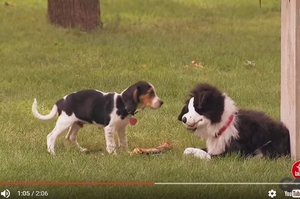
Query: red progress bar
(70, 183)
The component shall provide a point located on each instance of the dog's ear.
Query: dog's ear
(130, 99)
(183, 111)
(204, 99)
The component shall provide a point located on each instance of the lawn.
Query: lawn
(153, 40)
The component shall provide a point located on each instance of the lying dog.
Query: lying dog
(109, 110)
(213, 116)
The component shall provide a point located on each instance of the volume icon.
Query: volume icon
(5, 193)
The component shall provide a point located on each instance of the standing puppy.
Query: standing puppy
(213, 116)
(109, 110)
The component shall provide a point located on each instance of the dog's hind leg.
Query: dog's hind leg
(122, 138)
(261, 151)
(62, 124)
(72, 135)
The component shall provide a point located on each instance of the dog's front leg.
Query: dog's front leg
(199, 153)
(122, 138)
(110, 139)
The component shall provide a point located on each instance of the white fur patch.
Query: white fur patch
(197, 153)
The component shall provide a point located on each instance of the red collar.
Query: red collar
(226, 126)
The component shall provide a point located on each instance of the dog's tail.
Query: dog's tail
(43, 117)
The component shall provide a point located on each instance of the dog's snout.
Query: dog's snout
(184, 119)
(161, 103)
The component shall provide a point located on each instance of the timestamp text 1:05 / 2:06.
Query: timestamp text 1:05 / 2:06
(32, 193)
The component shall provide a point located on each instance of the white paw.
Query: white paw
(189, 150)
(197, 153)
(111, 150)
(51, 152)
(83, 150)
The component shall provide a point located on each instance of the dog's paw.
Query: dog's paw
(84, 150)
(51, 152)
(189, 150)
(197, 153)
(111, 150)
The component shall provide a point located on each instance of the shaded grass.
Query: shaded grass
(42, 61)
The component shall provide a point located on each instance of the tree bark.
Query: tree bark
(82, 14)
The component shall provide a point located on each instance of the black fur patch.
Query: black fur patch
(184, 110)
(121, 111)
(142, 87)
(259, 131)
(88, 105)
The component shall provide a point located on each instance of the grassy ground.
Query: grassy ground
(152, 40)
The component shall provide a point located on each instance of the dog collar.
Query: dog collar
(226, 126)
(130, 112)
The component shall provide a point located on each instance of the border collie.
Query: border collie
(213, 116)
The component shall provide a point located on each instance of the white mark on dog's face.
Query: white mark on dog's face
(156, 103)
(193, 120)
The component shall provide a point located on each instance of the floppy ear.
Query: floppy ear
(130, 99)
(183, 111)
(204, 99)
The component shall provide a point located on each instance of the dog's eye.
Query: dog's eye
(151, 93)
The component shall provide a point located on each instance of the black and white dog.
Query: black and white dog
(109, 110)
(213, 116)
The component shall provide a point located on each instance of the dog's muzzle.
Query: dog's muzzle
(191, 126)
(157, 103)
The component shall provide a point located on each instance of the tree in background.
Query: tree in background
(82, 14)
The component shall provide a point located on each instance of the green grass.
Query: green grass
(46, 62)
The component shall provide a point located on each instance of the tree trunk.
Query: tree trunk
(82, 14)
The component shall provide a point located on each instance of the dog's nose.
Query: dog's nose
(184, 119)
(161, 103)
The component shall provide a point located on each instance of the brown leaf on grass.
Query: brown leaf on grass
(8, 4)
(194, 63)
(197, 64)
(143, 65)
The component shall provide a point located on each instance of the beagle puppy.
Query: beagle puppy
(112, 111)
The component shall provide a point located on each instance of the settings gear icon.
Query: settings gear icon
(272, 193)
